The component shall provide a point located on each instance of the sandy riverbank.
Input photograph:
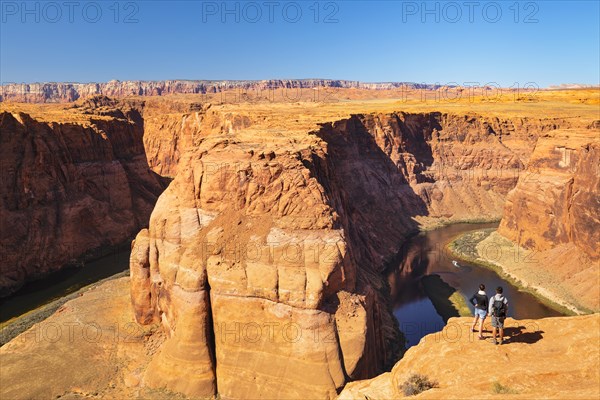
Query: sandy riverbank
(15, 326)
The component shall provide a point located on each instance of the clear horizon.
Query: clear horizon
(545, 42)
(564, 85)
(247, 80)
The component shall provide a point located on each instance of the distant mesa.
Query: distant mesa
(62, 92)
(573, 86)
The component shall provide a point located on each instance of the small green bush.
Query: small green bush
(416, 384)
(497, 387)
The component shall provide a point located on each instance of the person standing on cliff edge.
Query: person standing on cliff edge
(498, 308)
(480, 301)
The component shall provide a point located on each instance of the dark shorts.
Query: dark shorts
(497, 322)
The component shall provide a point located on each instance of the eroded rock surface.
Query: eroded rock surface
(262, 264)
(536, 361)
(556, 201)
(69, 188)
(263, 258)
(554, 212)
(244, 262)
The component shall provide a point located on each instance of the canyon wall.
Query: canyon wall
(556, 200)
(431, 168)
(247, 269)
(69, 190)
(53, 92)
(263, 261)
(554, 213)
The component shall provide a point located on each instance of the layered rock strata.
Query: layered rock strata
(262, 263)
(553, 213)
(69, 189)
(56, 92)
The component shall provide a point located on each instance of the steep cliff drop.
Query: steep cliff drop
(263, 258)
(553, 214)
(247, 270)
(542, 358)
(73, 186)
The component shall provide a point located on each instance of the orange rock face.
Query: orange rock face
(263, 258)
(69, 189)
(262, 262)
(556, 201)
(554, 211)
(95, 335)
(243, 262)
(545, 358)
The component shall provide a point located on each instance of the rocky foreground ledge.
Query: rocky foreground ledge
(96, 336)
(542, 359)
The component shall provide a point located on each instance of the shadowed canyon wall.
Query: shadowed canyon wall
(69, 190)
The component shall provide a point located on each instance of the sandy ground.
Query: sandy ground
(549, 358)
(90, 348)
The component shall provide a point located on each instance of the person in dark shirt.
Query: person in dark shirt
(480, 301)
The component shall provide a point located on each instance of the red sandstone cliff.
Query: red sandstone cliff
(556, 200)
(262, 261)
(554, 212)
(259, 235)
(69, 189)
(245, 243)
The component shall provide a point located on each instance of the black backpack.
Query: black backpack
(498, 308)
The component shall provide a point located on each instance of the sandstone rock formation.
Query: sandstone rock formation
(554, 212)
(70, 188)
(262, 264)
(545, 358)
(556, 199)
(245, 262)
(96, 336)
(263, 258)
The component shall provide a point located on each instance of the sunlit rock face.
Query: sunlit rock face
(554, 212)
(533, 353)
(60, 92)
(263, 260)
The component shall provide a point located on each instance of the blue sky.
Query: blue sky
(545, 42)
